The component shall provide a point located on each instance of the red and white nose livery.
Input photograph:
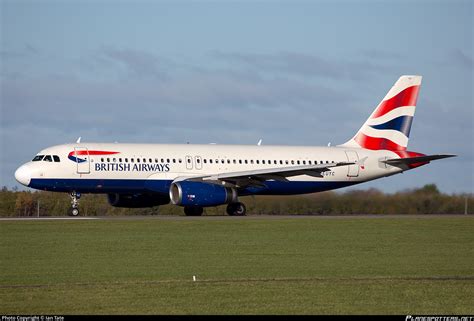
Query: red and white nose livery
(388, 127)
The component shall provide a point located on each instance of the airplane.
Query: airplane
(198, 176)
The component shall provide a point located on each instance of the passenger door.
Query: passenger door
(353, 170)
(82, 160)
(198, 161)
(189, 162)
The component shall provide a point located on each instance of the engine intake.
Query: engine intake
(188, 193)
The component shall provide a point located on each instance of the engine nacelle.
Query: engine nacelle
(137, 200)
(189, 193)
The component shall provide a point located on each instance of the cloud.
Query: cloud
(461, 59)
(293, 63)
(381, 55)
(137, 96)
(27, 51)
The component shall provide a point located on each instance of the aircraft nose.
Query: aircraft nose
(23, 175)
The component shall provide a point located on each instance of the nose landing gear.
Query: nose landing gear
(74, 209)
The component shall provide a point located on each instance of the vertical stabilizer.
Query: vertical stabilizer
(388, 127)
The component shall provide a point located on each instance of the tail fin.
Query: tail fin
(388, 127)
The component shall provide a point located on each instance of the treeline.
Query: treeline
(425, 200)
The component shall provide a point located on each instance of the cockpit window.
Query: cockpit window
(56, 158)
(47, 158)
(38, 158)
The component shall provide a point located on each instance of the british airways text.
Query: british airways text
(112, 167)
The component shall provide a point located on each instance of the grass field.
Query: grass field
(392, 265)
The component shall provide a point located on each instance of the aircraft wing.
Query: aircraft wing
(257, 177)
(414, 160)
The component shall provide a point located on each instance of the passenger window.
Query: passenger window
(144, 160)
(210, 161)
(198, 161)
(174, 160)
(228, 161)
(240, 161)
(189, 160)
(131, 160)
(108, 160)
(281, 162)
(234, 161)
(114, 160)
(292, 162)
(205, 161)
(102, 160)
(56, 158)
(246, 162)
(179, 161)
(163, 160)
(297, 162)
(251, 161)
(258, 162)
(120, 160)
(167, 160)
(38, 158)
(222, 161)
(47, 158)
(126, 160)
(150, 160)
(138, 160)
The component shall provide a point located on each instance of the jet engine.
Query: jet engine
(188, 193)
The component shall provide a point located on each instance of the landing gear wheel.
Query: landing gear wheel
(236, 209)
(74, 211)
(193, 210)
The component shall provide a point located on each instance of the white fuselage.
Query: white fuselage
(133, 168)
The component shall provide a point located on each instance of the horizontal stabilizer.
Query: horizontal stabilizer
(415, 160)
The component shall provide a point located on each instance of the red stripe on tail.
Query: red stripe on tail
(406, 97)
(376, 143)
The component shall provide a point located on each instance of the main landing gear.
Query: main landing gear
(233, 209)
(236, 209)
(74, 209)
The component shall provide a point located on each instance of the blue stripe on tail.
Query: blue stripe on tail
(402, 124)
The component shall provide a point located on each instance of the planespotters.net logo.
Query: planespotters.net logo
(439, 318)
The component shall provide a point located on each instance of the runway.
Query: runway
(238, 218)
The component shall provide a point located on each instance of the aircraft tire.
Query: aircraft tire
(236, 209)
(73, 211)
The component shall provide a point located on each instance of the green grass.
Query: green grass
(254, 266)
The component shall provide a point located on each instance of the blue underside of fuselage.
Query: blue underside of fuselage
(132, 186)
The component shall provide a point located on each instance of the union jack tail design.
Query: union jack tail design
(388, 127)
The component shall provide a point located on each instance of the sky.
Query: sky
(235, 72)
